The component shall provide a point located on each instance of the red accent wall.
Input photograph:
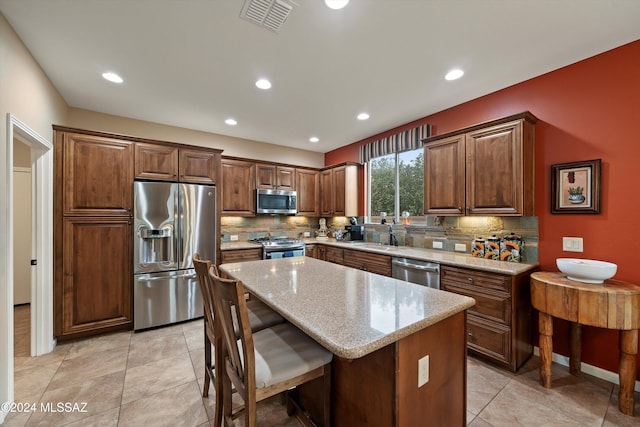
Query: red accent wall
(587, 110)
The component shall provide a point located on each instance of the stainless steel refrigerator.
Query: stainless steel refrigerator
(172, 221)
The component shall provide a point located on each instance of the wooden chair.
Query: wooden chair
(264, 363)
(260, 317)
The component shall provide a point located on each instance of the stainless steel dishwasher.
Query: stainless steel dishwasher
(414, 271)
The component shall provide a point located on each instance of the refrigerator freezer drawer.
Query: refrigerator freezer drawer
(165, 298)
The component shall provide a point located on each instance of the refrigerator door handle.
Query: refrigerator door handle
(179, 274)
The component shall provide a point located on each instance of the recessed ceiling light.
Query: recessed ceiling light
(231, 122)
(336, 4)
(314, 139)
(263, 84)
(363, 116)
(112, 77)
(454, 74)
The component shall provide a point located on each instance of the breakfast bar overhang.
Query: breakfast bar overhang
(378, 328)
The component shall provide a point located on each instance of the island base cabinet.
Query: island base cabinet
(381, 388)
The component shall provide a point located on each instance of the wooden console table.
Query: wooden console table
(612, 305)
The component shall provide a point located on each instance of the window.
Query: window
(396, 185)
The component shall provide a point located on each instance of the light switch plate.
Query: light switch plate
(423, 371)
(572, 244)
(233, 237)
(306, 234)
(461, 247)
(437, 245)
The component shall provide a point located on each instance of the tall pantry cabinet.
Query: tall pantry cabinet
(92, 233)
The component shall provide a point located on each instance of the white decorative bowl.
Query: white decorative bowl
(586, 270)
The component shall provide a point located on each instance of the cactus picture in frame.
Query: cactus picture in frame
(575, 187)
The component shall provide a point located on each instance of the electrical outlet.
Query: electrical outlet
(437, 245)
(423, 371)
(461, 247)
(233, 237)
(306, 234)
(572, 244)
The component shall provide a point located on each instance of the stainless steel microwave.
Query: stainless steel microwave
(276, 202)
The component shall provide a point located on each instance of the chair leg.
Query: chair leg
(222, 385)
(207, 363)
(250, 409)
(226, 404)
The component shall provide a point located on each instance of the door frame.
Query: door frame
(42, 340)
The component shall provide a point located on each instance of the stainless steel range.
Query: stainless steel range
(280, 247)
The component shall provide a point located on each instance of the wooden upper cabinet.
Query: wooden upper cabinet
(339, 190)
(326, 192)
(483, 170)
(153, 161)
(198, 166)
(444, 182)
(238, 187)
(272, 177)
(98, 175)
(501, 150)
(170, 163)
(308, 185)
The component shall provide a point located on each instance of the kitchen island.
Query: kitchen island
(378, 328)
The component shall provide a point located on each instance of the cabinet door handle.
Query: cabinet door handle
(470, 279)
(470, 334)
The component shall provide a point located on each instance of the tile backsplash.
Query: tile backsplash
(459, 230)
(447, 230)
(247, 228)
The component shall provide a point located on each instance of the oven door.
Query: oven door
(282, 252)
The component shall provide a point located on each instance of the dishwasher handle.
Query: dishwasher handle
(430, 268)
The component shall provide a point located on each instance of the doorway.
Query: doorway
(41, 313)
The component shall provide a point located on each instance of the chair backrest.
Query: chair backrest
(230, 303)
(206, 288)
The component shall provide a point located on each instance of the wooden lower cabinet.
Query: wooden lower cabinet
(367, 261)
(499, 326)
(239, 255)
(95, 293)
(311, 251)
(489, 339)
(321, 252)
(334, 255)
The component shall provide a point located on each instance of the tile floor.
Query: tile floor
(154, 378)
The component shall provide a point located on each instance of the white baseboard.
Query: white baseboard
(603, 374)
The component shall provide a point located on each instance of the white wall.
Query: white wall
(236, 147)
(28, 95)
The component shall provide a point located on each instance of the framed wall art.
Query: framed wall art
(575, 187)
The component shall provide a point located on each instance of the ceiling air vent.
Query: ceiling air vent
(267, 13)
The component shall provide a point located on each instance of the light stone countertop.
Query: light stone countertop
(231, 246)
(441, 257)
(349, 311)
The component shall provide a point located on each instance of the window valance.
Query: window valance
(410, 139)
